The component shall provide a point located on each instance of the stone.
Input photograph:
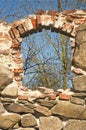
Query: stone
(79, 59)
(77, 101)
(75, 124)
(50, 123)
(42, 111)
(10, 91)
(45, 90)
(79, 83)
(20, 108)
(52, 96)
(9, 120)
(67, 110)
(28, 120)
(2, 110)
(26, 129)
(47, 103)
(80, 95)
(5, 77)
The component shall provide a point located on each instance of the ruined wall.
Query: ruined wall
(42, 109)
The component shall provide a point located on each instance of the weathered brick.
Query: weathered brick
(21, 29)
(38, 19)
(1, 34)
(22, 97)
(53, 12)
(65, 12)
(63, 96)
(40, 11)
(11, 34)
(18, 61)
(52, 96)
(69, 18)
(16, 46)
(33, 23)
(79, 21)
(16, 32)
(17, 71)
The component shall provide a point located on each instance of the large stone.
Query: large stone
(50, 123)
(75, 125)
(5, 77)
(80, 95)
(26, 129)
(10, 91)
(19, 108)
(2, 110)
(28, 120)
(41, 111)
(47, 103)
(9, 120)
(79, 59)
(79, 83)
(68, 110)
(78, 101)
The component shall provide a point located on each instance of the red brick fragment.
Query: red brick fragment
(65, 12)
(57, 93)
(16, 32)
(53, 12)
(79, 21)
(11, 34)
(52, 96)
(33, 23)
(38, 19)
(1, 34)
(21, 29)
(16, 46)
(40, 12)
(69, 18)
(22, 97)
(63, 96)
(19, 70)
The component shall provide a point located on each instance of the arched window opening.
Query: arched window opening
(47, 60)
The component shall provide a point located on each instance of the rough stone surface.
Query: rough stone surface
(79, 83)
(8, 121)
(28, 120)
(5, 77)
(19, 108)
(40, 110)
(26, 129)
(50, 123)
(69, 110)
(75, 125)
(78, 101)
(80, 95)
(2, 110)
(10, 91)
(79, 59)
(46, 103)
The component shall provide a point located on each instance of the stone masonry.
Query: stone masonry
(43, 108)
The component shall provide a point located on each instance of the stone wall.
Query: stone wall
(42, 109)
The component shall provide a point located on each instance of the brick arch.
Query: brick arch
(65, 22)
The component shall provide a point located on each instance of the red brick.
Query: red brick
(52, 96)
(1, 34)
(64, 97)
(65, 12)
(53, 12)
(79, 21)
(16, 46)
(57, 93)
(40, 12)
(38, 19)
(19, 70)
(69, 18)
(22, 97)
(11, 34)
(16, 32)
(21, 29)
(33, 23)
(25, 26)
(18, 61)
